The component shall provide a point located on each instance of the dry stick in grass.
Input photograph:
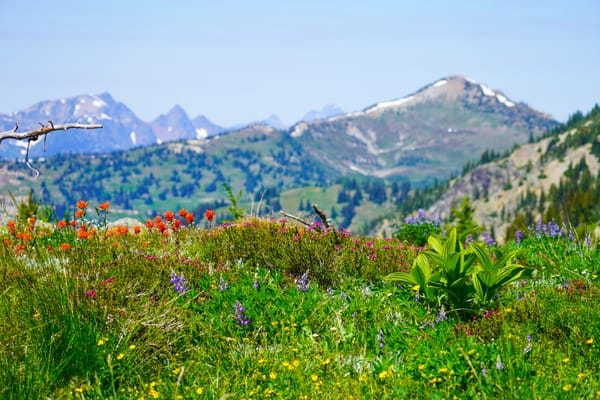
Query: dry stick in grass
(35, 134)
(319, 212)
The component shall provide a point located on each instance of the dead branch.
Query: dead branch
(35, 134)
(45, 129)
(298, 219)
(322, 215)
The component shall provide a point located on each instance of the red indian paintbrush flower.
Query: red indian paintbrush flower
(209, 215)
(82, 205)
(104, 206)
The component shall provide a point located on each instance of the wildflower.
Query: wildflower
(519, 237)
(182, 212)
(137, 229)
(314, 377)
(239, 312)
(499, 365)
(442, 316)
(589, 342)
(567, 388)
(272, 375)
(169, 216)
(528, 348)
(566, 360)
(62, 223)
(199, 390)
(381, 339)
(303, 283)
(79, 213)
(223, 285)
(256, 284)
(102, 341)
(120, 356)
(82, 205)
(189, 217)
(209, 215)
(104, 206)
(179, 282)
(65, 246)
(31, 220)
(149, 224)
(132, 347)
(90, 293)
(73, 223)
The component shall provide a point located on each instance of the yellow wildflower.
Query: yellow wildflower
(199, 390)
(566, 360)
(416, 288)
(568, 387)
(314, 377)
(120, 356)
(443, 370)
(132, 347)
(272, 375)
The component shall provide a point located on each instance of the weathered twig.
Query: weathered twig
(288, 215)
(45, 129)
(322, 215)
(35, 134)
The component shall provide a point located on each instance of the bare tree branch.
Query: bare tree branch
(45, 129)
(35, 134)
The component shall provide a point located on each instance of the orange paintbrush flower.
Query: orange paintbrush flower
(104, 206)
(82, 205)
(209, 215)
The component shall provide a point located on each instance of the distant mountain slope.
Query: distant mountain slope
(528, 180)
(432, 132)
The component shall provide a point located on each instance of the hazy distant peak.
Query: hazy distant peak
(329, 110)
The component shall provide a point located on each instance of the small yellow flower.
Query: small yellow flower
(176, 371)
(120, 356)
(421, 367)
(384, 374)
(508, 310)
(132, 347)
(566, 360)
(272, 375)
(261, 360)
(416, 288)
(296, 363)
(470, 352)
(314, 377)
(580, 375)
(567, 388)
(199, 390)
(590, 341)
(101, 342)
(79, 390)
(326, 361)
(443, 370)
(37, 315)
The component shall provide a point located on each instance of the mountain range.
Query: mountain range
(175, 161)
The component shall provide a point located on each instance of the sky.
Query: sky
(240, 61)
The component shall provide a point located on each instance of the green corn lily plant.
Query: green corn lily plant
(458, 276)
(491, 276)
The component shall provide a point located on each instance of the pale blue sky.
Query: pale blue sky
(237, 61)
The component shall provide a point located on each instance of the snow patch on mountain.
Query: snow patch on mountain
(133, 137)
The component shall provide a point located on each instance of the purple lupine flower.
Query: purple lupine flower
(529, 346)
(483, 370)
(519, 237)
(256, 284)
(488, 239)
(381, 339)
(223, 285)
(179, 283)
(588, 240)
(499, 365)
(442, 316)
(303, 283)
(239, 313)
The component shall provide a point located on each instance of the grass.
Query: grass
(267, 309)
